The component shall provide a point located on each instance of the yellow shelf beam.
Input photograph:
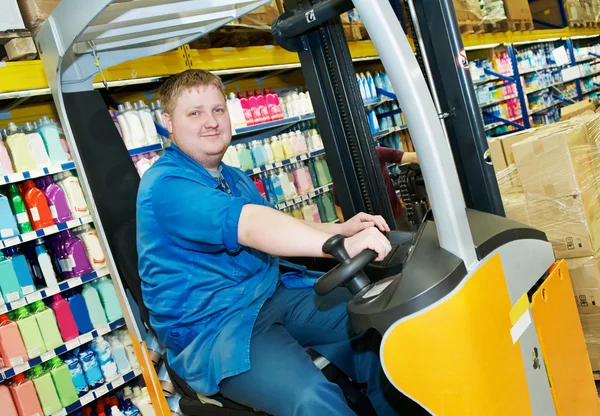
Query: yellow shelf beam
(527, 36)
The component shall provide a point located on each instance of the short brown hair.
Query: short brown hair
(191, 78)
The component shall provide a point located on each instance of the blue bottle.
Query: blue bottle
(268, 183)
(90, 366)
(9, 283)
(21, 269)
(277, 189)
(130, 409)
(397, 117)
(77, 374)
(80, 312)
(8, 222)
(101, 348)
(371, 83)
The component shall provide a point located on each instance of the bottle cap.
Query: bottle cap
(35, 372)
(158, 104)
(11, 251)
(18, 378)
(142, 104)
(137, 392)
(12, 128)
(54, 362)
(37, 306)
(128, 106)
(121, 108)
(45, 120)
(38, 241)
(4, 318)
(115, 411)
(127, 391)
(29, 128)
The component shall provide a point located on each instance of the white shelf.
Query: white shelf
(53, 229)
(501, 123)
(545, 68)
(275, 165)
(36, 173)
(498, 101)
(305, 197)
(385, 132)
(67, 346)
(544, 108)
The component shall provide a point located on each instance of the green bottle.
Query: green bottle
(63, 382)
(18, 207)
(45, 390)
(47, 323)
(313, 173)
(329, 207)
(322, 213)
(30, 332)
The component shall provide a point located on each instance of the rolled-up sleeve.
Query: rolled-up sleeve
(197, 217)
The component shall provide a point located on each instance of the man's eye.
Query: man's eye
(194, 113)
(219, 110)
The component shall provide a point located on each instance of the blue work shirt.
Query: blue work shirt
(202, 288)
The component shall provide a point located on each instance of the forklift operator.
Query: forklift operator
(233, 316)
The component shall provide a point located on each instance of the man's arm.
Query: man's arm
(353, 226)
(387, 155)
(279, 234)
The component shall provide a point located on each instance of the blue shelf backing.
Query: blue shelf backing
(145, 149)
(36, 173)
(275, 165)
(272, 124)
(53, 229)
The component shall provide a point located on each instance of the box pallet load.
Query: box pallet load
(548, 11)
(477, 16)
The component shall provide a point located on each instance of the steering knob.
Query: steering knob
(349, 272)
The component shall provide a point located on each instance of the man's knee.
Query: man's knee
(317, 396)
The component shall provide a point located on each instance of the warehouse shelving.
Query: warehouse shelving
(305, 197)
(44, 232)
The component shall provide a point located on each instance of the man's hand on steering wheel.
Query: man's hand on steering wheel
(370, 238)
(363, 221)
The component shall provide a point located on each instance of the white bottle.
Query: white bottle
(125, 129)
(232, 157)
(137, 395)
(128, 393)
(138, 136)
(72, 187)
(365, 86)
(141, 164)
(236, 113)
(45, 263)
(297, 103)
(361, 88)
(144, 403)
(371, 84)
(119, 354)
(148, 123)
(128, 344)
(290, 106)
(304, 108)
(114, 411)
(92, 247)
(310, 106)
(37, 147)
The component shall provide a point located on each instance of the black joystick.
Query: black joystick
(349, 272)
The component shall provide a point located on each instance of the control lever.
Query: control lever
(349, 272)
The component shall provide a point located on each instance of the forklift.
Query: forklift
(476, 316)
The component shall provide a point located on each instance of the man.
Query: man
(386, 155)
(215, 288)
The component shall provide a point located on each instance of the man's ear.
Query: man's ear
(168, 123)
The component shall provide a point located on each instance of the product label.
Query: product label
(28, 289)
(85, 338)
(53, 211)
(34, 352)
(61, 412)
(71, 261)
(33, 297)
(103, 330)
(34, 213)
(18, 303)
(21, 368)
(16, 361)
(48, 356)
(118, 382)
(12, 241)
(6, 233)
(100, 391)
(11, 297)
(248, 115)
(22, 217)
(74, 343)
(52, 290)
(86, 398)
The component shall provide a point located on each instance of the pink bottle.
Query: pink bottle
(256, 114)
(6, 402)
(308, 178)
(247, 110)
(5, 162)
(12, 349)
(64, 317)
(24, 396)
(262, 105)
(302, 184)
(273, 104)
(315, 211)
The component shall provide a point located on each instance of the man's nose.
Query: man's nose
(211, 121)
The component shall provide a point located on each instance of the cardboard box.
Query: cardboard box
(517, 10)
(571, 223)
(591, 331)
(548, 11)
(497, 155)
(510, 139)
(573, 110)
(558, 164)
(585, 278)
(515, 207)
(35, 12)
(10, 16)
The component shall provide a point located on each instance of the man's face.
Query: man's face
(200, 124)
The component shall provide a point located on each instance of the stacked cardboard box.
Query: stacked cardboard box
(554, 173)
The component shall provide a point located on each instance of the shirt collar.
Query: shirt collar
(204, 173)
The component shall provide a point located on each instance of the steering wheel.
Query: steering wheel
(349, 272)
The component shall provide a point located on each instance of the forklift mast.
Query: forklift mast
(314, 30)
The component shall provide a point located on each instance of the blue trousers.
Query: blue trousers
(283, 381)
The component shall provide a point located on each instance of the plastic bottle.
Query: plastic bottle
(50, 133)
(154, 347)
(77, 255)
(270, 157)
(67, 393)
(94, 306)
(361, 87)
(253, 103)
(18, 144)
(119, 354)
(302, 184)
(288, 149)
(103, 352)
(125, 129)
(301, 147)
(6, 166)
(72, 187)
(8, 223)
(259, 185)
(276, 186)
(130, 409)
(91, 369)
(21, 267)
(30, 332)
(232, 157)
(80, 311)
(277, 149)
(261, 103)
(165, 381)
(56, 242)
(37, 205)
(147, 123)
(57, 201)
(61, 137)
(92, 245)
(77, 375)
(24, 396)
(47, 324)
(244, 156)
(108, 296)
(141, 164)
(315, 211)
(6, 402)
(307, 212)
(248, 114)
(9, 283)
(236, 112)
(64, 317)
(138, 135)
(18, 208)
(44, 387)
(114, 411)
(12, 349)
(37, 146)
(273, 106)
